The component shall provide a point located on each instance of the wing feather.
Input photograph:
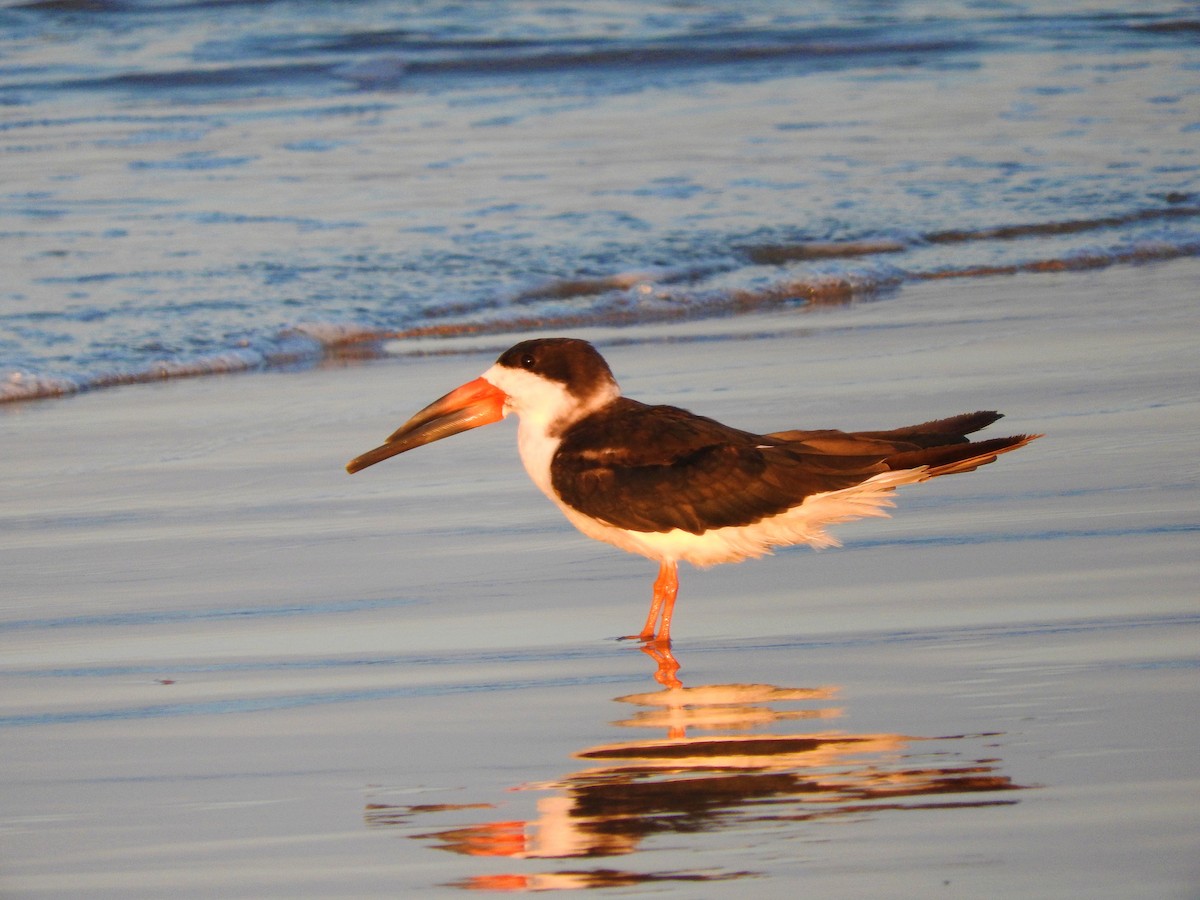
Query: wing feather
(660, 468)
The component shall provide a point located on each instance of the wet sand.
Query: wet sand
(232, 670)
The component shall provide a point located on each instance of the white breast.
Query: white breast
(537, 451)
(545, 408)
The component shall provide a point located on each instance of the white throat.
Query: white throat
(545, 409)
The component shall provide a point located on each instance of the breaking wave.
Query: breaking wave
(757, 276)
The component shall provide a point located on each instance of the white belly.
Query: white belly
(803, 524)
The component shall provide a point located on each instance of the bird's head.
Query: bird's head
(550, 383)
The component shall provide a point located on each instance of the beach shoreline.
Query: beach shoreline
(231, 668)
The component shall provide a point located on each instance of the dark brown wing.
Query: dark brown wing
(658, 468)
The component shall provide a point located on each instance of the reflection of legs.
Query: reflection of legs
(668, 666)
(666, 588)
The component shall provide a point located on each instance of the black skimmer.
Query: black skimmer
(674, 486)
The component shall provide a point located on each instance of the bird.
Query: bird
(673, 486)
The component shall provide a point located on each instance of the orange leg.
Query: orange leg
(666, 588)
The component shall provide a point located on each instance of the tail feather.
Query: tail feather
(956, 458)
(930, 443)
(938, 431)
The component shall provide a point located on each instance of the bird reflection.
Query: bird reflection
(724, 756)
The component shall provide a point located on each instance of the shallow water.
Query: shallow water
(193, 188)
(840, 778)
(230, 669)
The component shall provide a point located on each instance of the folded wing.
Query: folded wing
(659, 468)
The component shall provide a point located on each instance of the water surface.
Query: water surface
(205, 187)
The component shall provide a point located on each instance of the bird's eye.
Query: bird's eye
(527, 361)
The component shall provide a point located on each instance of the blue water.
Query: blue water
(198, 187)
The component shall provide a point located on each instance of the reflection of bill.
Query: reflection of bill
(718, 767)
